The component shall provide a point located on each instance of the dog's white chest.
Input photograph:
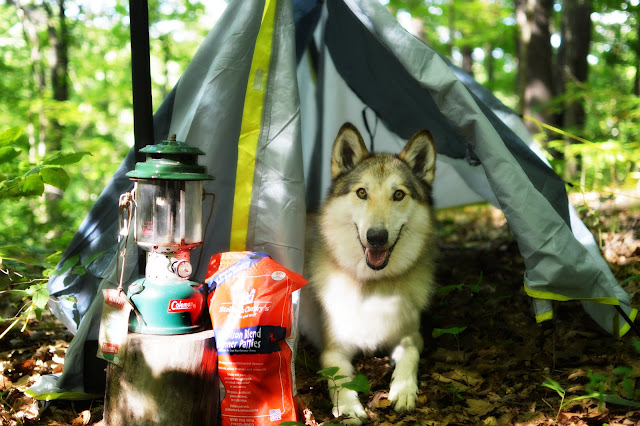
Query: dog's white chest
(368, 321)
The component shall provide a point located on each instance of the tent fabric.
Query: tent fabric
(207, 110)
(264, 97)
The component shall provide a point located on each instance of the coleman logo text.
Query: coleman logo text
(182, 305)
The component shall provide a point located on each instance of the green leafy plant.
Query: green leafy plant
(28, 180)
(446, 290)
(72, 265)
(552, 384)
(359, 383)
(19, 262)
(598, 389)
(456, 392)
(437, 332)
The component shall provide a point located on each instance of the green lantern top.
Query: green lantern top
(170, 159)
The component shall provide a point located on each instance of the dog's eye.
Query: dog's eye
(398, 195)
(362, 193)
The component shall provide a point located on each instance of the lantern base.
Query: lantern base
(166, 306)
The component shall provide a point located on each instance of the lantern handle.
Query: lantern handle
(126, 205)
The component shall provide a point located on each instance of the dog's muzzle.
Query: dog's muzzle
(376, 255)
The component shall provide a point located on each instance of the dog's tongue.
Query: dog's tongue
(375, 258)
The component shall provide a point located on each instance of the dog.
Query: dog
(370, 261)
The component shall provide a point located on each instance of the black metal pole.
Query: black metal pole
(141, 87)
(141, 75)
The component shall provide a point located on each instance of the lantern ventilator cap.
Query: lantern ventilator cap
(170, 159)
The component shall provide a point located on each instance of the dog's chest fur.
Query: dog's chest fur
(369, 316)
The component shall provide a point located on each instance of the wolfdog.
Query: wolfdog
(370, 264)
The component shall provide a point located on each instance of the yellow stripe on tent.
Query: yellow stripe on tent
(62, 395)
(544, 317)
(250, 128)
(626, 326)
(604, 300)
(562, 298)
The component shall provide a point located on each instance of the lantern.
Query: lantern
(168, 195)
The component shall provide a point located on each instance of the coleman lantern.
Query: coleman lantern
(168, 195)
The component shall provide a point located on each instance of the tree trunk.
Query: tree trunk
(573, 68)
(572, 55)
(636, 82)
(45, 136)
(489, 65)
(59, 70)
(467, 59)
(164, 380)
(29, 18)
(452, 20)
(535, 77)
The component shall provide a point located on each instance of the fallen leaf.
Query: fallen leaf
(23, 383)
(444, 379)
(479, 407)
(473, 379)
(381, 403)
(25, 366)
(4, 382)
(309, 420)
(26, 408)
(490, 421)
(83, 419)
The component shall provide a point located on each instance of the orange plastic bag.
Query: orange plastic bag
(251, 311)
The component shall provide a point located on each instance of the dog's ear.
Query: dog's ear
(420, 155)
(348, 150)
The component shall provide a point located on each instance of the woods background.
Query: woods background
(571, 68)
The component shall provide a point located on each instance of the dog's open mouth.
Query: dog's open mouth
(376, 258)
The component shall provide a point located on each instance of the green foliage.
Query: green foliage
(359, 383)
(22, 185)
(56, 156)
(454, 331)
(437, 332)
(608, 152)
(31, 179)
(456, 392)
(619, 388)
(446, 290)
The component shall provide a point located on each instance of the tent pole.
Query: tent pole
(141, 76)
(141, 88)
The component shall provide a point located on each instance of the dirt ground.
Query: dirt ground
(490, 373)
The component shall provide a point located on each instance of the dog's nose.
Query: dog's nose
(377, 237)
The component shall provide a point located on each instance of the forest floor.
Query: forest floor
(490, 373)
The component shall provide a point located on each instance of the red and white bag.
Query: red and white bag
(250, 304)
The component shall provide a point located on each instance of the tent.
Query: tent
(264, 97)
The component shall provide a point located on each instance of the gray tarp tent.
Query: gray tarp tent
(264, 97)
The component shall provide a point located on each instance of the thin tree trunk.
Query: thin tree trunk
(489, 65)
(45, 136)
(467, 59)
(35, 129)
(59, 69)
(573, 68)
(535, 75)
(452, 20)
(572, 55)
(636, 82)
(166, 56)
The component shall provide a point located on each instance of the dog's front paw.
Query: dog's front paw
(347, 404)
(403, 395)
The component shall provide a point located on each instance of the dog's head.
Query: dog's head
(378, 218)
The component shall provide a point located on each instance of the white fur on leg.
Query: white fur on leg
(404, 382)
(345, 401)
